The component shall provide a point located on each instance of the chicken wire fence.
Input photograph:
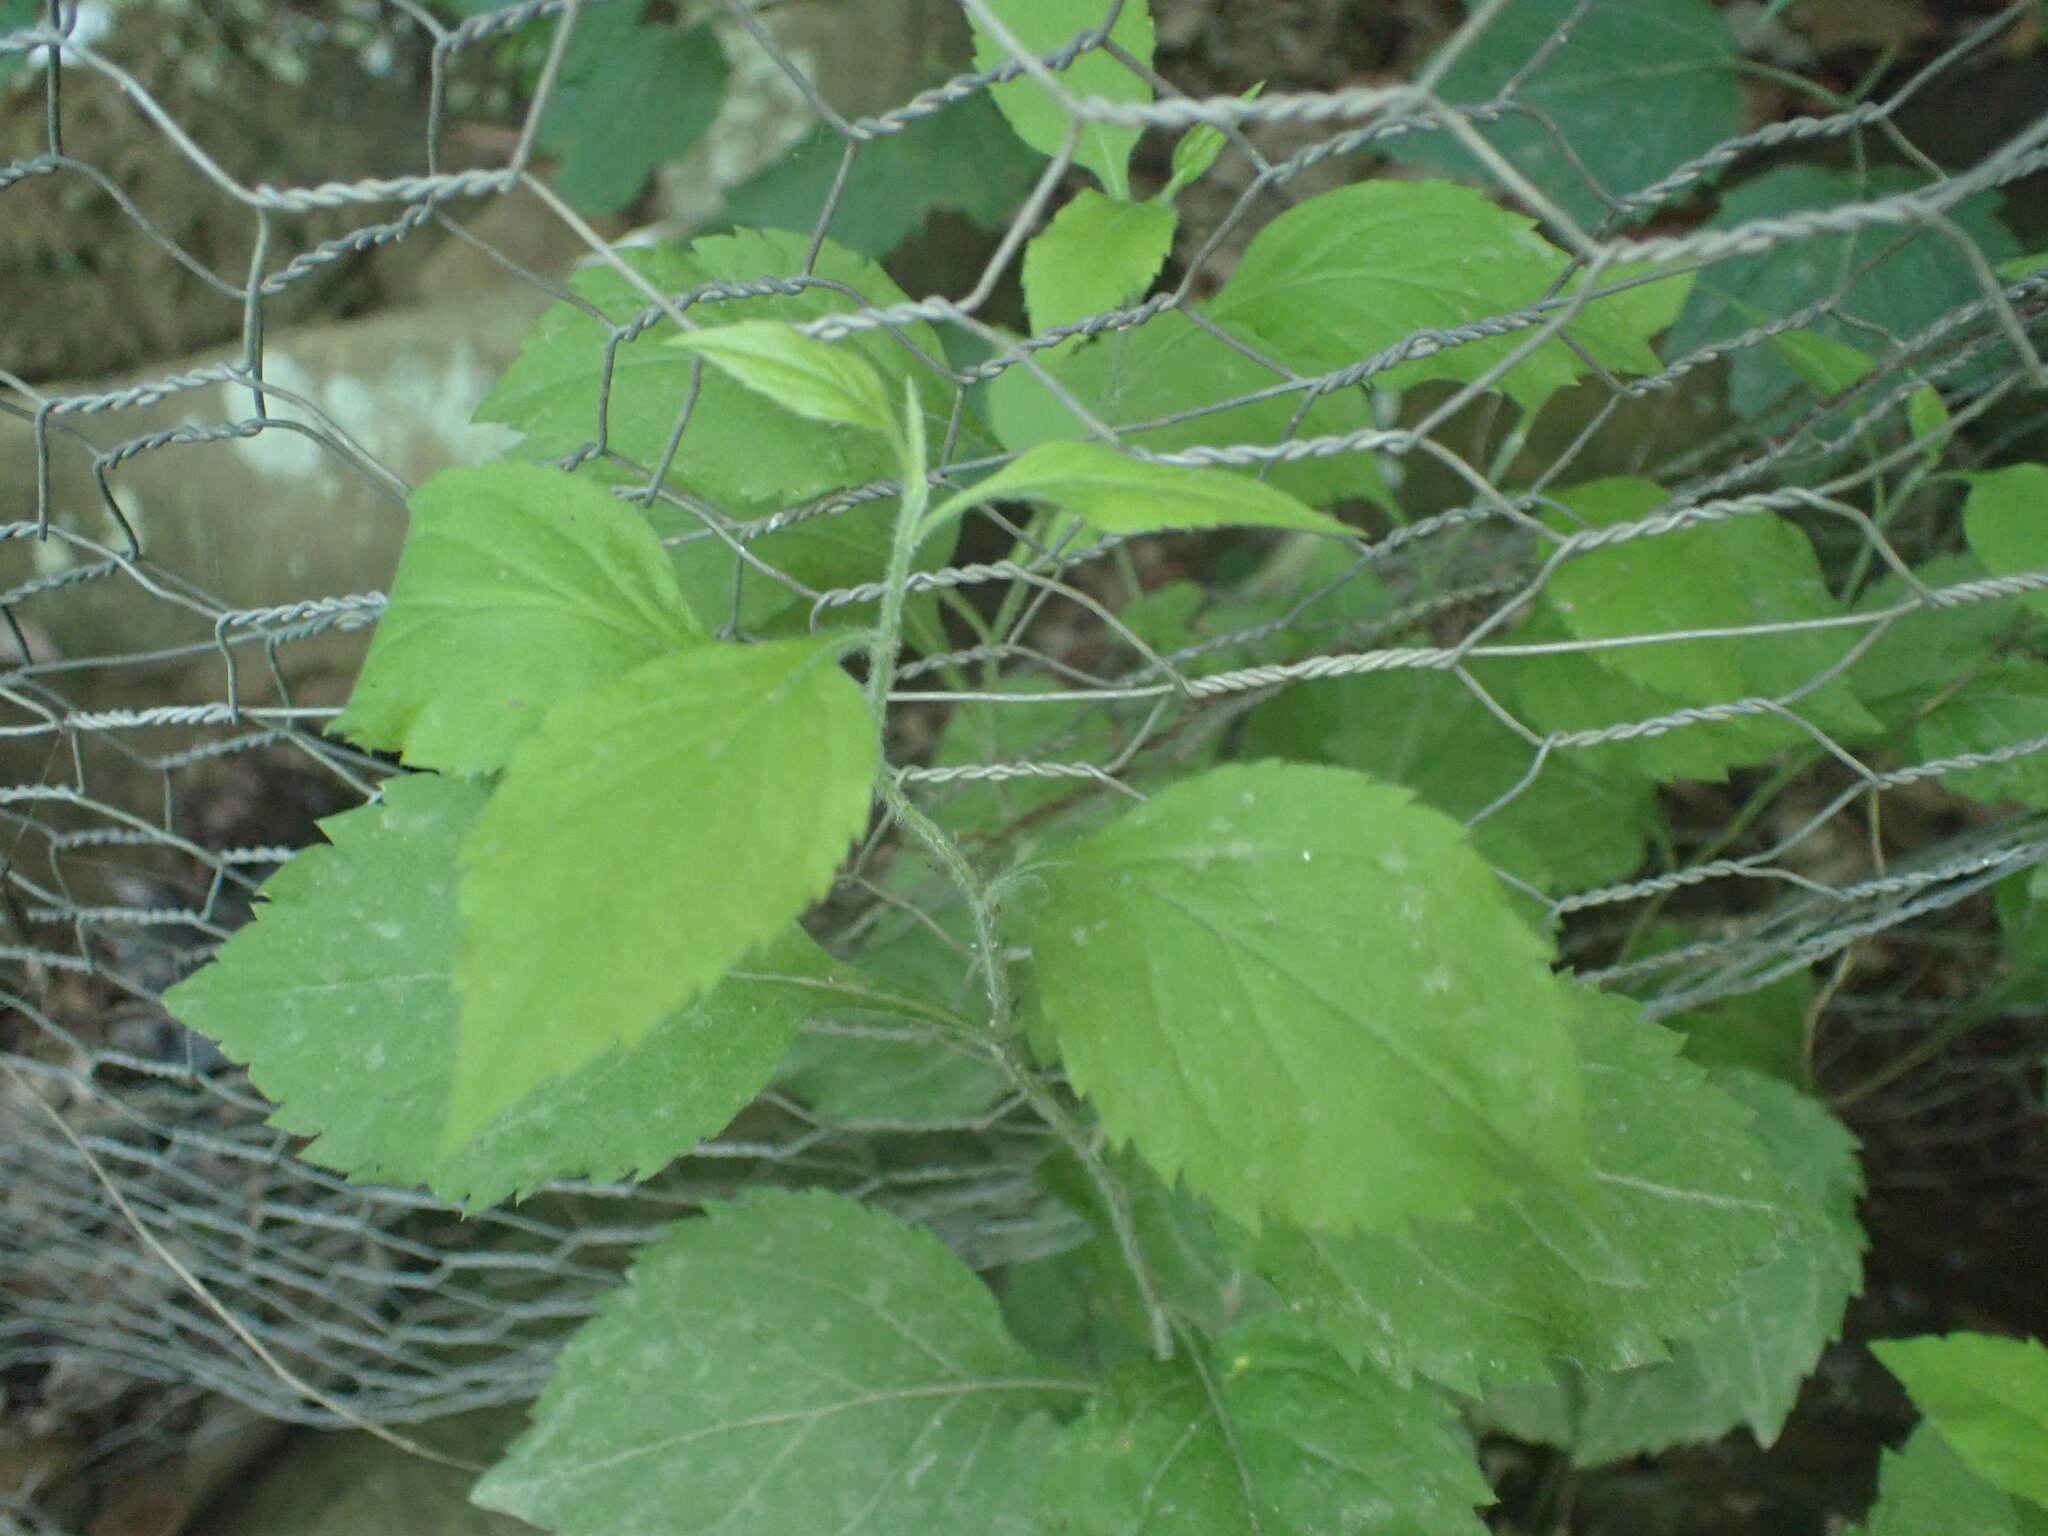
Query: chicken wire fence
(153, 1226)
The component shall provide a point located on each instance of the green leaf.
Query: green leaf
(1746, 1365)
(796, 1363)
(1044, 27)
(1268, 1432)
(2003, 706)
(1117, 494)
(1361, 1030)
(1197, 151)
(1014, 728)
(1761, 1031)
(1921, 654)
(1926, 1489)
(2006, 519)
(340, 998)
(1683, 1200)
(1348, 274)
(2013, 268)
(629, 97)
(740, 451)
(1586, 132)
(963, 158)
(814, 379)
(1170, 370)
(1429, 731)
(1905, 289)
(1098, 253)
(1832, 367)
(644, 839)
(1988, 1397)
(1734, 573)
(519, 588)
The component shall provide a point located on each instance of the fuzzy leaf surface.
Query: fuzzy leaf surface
(795, 1363)
(1045, 27)
(1683, 1200)
(1989, 1398)
(1292, 1439)
(519, 588)
(1256, 977)
(1115, 493)
(1098, 253)
(643, 840)
(340, 998)
(1591, 84)
(1745, 1367)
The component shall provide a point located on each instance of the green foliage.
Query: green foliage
(1300, 1052)
(1988, 1397)
(1744, 1366)
(1602, 1278)
(1040, 118)
(798, 1362)
(519, 588)
(1096, 254)
(341, 999)
(1302, 1123)
(1926, 1489)
(1587, 136)
(1262, 1430)
(590, 858)
(629, 97)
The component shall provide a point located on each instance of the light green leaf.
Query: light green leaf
(1269, 1432)
(1746, 1366)
(2013, 268)
(1013, 728)
(1170, 370)
(1830, 366)
(1683, 1200)
(814, 379)
(1898, 281)
(2003, 706)
(519, 588)
(1429, 731)
(1098, 253)
(1115, 493)
(1762, 1031)
(798, 1363)
(1988, 1397)
(2006, 519)
(1587, 136)
(644, 839)
(963, 157)
(1921, 654)
(1349, 273)
(629, 97)
(341, 1000)
(1044, 27)
(1738, 572)
(1926, 1489)
(1361, 1030)
(1197, 151)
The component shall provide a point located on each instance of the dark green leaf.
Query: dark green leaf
(963, 158)
(644, 839)
(519, 588)
(1905, 290)
(629, 98)
(798, 1363)
(1590, 132)
(2002, 708)
(1360, 1030)
(340, 998)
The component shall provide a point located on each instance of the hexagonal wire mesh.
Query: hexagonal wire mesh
(164, 694)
